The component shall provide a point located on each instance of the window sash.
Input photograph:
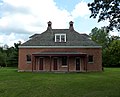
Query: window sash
(57, 38)
(60, 37)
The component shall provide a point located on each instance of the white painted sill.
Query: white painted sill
(64, 66)
(28, 62)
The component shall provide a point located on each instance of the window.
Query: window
(64, 61)
(28, 58)
(90, 58)
(57, 38)
(60, 37)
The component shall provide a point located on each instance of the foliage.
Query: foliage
(3, 59)
(111, 54)
(100, 36)
(110, 46)
(9, 56)
(106, 10)
(26, 84)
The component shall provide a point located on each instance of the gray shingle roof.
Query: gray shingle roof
(47, 38)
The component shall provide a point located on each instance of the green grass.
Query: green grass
(27, 84)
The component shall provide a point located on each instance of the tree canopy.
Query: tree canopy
(110, 46)
(9, 56)
(106, 10)
(101, 36)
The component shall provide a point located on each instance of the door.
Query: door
(55, 65)
(77, 63)
(40, 64)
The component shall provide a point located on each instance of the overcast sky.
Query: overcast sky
(19, 19)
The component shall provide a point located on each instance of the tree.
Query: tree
(9, 56)
(111, 55)
(106, 10)
(13, 58)
(115, 52)
(3, 58)
(100, 36)
(110, 46)
(16, 45)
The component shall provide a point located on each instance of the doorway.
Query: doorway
(55, 64)
(40, 66)
(77, 63)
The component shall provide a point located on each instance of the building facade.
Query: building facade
(60, 50)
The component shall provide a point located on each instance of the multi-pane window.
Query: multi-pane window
(90, 58)
(60, 37)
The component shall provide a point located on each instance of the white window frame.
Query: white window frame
(60, 37)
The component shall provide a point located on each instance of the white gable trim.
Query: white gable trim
(60, 46)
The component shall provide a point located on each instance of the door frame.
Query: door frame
(79, 63)
(41, 64)
(37, 64)
(55, 58)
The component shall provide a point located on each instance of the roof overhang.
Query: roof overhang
(59, 54)
(60, 46)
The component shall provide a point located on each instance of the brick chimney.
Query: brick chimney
(49, 25)
(71, 25)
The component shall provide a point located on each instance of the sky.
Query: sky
(19, 19)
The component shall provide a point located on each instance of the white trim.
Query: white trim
(60, 46)
(64, 66)
(29, 62)
(60, 37)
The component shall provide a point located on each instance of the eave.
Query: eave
(60, 46)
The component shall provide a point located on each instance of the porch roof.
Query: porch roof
(59, 54)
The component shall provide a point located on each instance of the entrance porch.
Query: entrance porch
(59, 62)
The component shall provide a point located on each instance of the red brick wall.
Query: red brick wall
(96, 52)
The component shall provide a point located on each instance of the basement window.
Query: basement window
(90, 59)
(60, 37)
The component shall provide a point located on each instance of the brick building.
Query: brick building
(60, 50)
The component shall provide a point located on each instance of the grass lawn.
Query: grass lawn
(27, 84)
